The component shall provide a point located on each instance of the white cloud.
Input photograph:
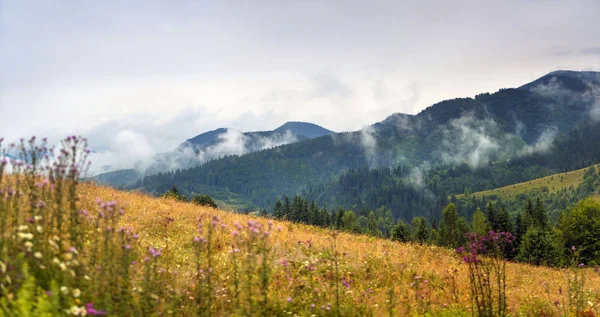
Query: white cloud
(72, 67)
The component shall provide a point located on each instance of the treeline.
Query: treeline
(538, 240)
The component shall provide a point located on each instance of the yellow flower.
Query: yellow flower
(37, 255)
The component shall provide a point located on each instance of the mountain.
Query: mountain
(304, 129)
(489, 128)
(289, 132)
(213, 145)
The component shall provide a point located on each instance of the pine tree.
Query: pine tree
(540, 215)
(452, 228)
(420, 230)
(287, 208)
(278, 209)
(372, 225)
(504, 221)
(480, 225)
(401, 232)
(491, 216)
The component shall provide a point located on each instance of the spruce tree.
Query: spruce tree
(480, 225)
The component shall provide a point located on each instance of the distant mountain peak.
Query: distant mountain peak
(572, 80)
(306, 129)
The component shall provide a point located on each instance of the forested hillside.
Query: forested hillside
(453, 147)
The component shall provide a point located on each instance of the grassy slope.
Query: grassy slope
(554, 183)
(365, 259)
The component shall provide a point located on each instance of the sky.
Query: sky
(143, 76)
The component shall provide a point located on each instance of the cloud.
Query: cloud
(543, 143)
(595, 109)
(368, 141)
(131, 149)
(469, 140)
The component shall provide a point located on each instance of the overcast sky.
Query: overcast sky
(154, 73)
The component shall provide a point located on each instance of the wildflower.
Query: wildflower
(154, 252)
(64, 290)
(556, 302)
(289, 299)
(573, 248)
(77, 311)
(581, 265)
(89, 307)
(27, 236)
(76, 293)
(37, 255)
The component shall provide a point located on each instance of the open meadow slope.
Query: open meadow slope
(554, 183)
(373, 275)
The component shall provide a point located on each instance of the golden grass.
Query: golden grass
(554, 183)
(365, 260)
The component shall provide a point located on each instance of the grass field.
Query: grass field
(370, 268)
(554, 183)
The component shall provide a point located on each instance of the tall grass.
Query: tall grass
(68, 248)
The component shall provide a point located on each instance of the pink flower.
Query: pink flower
(89, 307)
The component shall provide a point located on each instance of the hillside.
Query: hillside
(368, 264)
(553, 183)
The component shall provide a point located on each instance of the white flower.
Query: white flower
(64, 290)
(77, 311)
(37, 255)
(22, 228)
(27, 236)
(28, 245)
(76, 293)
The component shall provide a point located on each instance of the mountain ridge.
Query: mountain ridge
(477, 131)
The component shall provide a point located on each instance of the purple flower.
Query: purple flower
(573, 248)
(89, 307)
(289, 299)
(155, 252)
(581, 265)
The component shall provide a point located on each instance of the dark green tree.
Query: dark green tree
(278, 209)
(401, 232)
(580, 227)
(452, 228)
(204, 200)
(372, 225)
(420, 230)
(540, 247)
(174, 194)
(491, 215)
